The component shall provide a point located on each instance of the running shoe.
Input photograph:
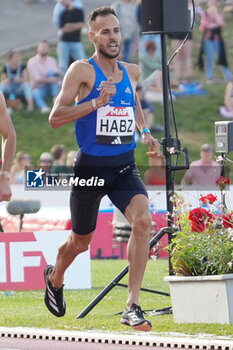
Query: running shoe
(134, 318)
(53, 296)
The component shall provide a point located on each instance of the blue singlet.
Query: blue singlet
(109, 130)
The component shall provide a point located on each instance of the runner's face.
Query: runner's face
(107, 36)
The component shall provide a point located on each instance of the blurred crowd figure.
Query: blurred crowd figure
(59, 167)
(126, 12)
(70, 158)
(151, 77)
(56, 161)
(183, 58)
(44, 75)
(14, 80)
(59, 8)
(205, 171)
(150, 61)
(227, 110)
(229, 97)
(155, 175)
(22, 160)
(69, 17)
(228, 8)
(212, 23)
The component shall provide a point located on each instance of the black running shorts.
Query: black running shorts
(117, 177)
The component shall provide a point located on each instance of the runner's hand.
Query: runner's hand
(5, 191)
(108, 89)
(153, 144)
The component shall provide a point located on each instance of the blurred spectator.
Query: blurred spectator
(46, 159)
(70, 158)
(229, 96)
(22, 160)
(45, 162)
(151, 66)
(144, 38)
(59, 8)
(227, 110)
(59, 156)
(44, 76)
(212, 22)
(155, 175)
(148, 111)
(150, 61)
(205, 171)
(71, 22)
(229, 7)
(14, 80)
(126, 12)
(184, 56)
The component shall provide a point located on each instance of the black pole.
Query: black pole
(223, 162)
(167, 142)
(21, 222)
(114, 282)
(165, 86)
(167, 134)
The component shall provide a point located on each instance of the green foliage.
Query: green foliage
(200, 254)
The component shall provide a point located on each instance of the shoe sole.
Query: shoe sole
(144, 327)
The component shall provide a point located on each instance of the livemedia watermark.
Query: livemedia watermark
(38, 179)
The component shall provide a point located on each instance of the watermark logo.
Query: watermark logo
(41, 179)
(35, 178)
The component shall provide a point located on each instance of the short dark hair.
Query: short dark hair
(57, 151)
(101, 11)
(150, 45)
(43, 41)
(11, 53)
(139, 87)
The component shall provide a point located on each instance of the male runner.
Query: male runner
(104, 116)
(8, 150)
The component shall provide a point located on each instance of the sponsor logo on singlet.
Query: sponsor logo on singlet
(127, 90)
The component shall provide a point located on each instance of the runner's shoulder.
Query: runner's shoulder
(81, 68)
(132, 69)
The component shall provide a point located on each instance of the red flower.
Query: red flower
(199, 219)
(228, 220)
(210, 198)
(222, 182)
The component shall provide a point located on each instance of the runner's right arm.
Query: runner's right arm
(8, 150)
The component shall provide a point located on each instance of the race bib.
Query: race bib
(115, 125)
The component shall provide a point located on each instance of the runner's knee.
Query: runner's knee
(75, 244)
(80, 243)
(141, 224)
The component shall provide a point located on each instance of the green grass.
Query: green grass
(34, 134)
(27, 309)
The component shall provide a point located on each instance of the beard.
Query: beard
(108, 55)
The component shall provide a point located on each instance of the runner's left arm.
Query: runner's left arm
(148, 139)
